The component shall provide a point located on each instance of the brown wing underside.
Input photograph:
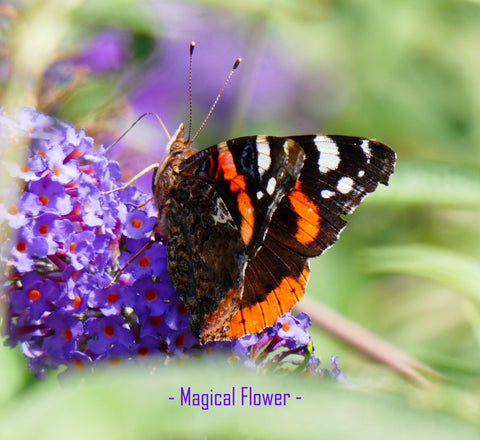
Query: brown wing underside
(206, 256)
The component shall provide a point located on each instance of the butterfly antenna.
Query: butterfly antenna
(135, 123)
(190, 111)
(235, 65)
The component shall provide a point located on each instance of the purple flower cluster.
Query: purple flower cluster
(70, 235)
(286, 345)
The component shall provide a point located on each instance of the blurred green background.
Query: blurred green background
(408, 265)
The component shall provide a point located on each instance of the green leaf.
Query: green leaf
(132, 14)
(35, 38)
(93, 99)
(132, 404)
(430, 184)
(458, 272)
(12, 379)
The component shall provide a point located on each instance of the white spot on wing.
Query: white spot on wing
(361, 173)
(221, 214)
(263, 150)
(329, 157)
(326, 193)
(285, 147)
(365, 146)
(259, 195)
(345, 185)
(272, 183)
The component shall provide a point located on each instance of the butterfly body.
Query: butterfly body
(242, 218)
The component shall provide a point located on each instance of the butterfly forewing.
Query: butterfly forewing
(251, 179)
(339, 171)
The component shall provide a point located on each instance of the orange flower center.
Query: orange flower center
(156, 320)
(34, 294)
(12, 209)
(43, 200)
(78, 363)
(136, 223)
(67, 334)
(115, 362)
(144, 261)
(21, 246)
(150, 295)
(108, 330)
(180, 341)
(142, 351)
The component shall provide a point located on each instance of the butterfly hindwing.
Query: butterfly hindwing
(275, 280)
(206, 255)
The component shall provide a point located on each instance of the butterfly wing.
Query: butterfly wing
(281, 201)
(338, 172)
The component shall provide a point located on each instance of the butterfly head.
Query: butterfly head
(178, 149)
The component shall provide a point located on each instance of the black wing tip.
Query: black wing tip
(384, 159)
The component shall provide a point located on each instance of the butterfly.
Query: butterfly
(242, 218)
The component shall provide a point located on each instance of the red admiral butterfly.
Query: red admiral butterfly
(242, 218)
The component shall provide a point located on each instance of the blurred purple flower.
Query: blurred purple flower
(106, 51)
(152, 297)
(35, 295)
(65, 329)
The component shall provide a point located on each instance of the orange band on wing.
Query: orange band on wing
(238, 183)
(238, 186)
(245, 207)
(308, 220)
(256, 317)
(226, 164)
(215, 322)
